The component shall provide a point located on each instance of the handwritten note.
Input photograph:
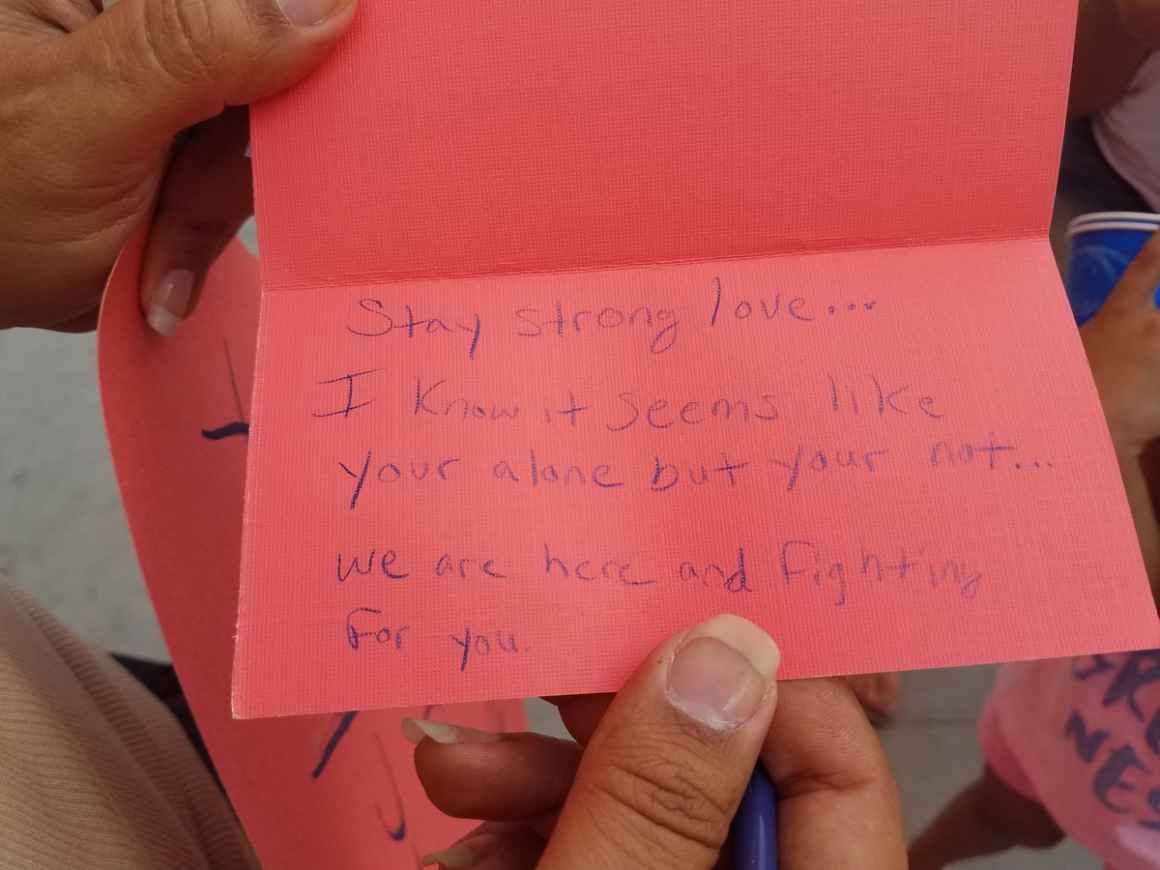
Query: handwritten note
(321, 791)
(555, 377)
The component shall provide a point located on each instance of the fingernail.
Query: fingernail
(304, 13)
(465, 854)
(417, 729)
(723, 671)
(169, 301)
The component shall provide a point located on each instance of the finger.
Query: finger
(500, 777)
(1137, 287)
(207, 194)
(663, 774)
(838, 803)
(491, 846)
(581, 713)
(86, 322)
(146, 69)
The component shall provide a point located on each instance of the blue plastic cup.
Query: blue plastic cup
(1102, 246)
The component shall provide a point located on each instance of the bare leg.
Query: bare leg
(988, 816)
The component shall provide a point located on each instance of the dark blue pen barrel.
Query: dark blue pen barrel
(754, 829)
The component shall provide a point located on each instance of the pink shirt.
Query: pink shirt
(1082, 737)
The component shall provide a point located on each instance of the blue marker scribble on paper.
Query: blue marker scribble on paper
(240, 426)
(397, 833)
(344, 724)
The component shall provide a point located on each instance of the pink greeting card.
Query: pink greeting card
(582, 323)
(335, 790)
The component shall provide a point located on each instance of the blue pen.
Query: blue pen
(754, 828)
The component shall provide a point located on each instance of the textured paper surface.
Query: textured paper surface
(319, 791)
(540, 135)
(581, 324)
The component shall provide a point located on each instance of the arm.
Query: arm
(1123, 348)
(1113, 37)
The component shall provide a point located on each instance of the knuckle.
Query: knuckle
(201, 232)
(199, 241)
(665, 798)
(266, 19)
(208, 47)
(63, 15)
(183, 39)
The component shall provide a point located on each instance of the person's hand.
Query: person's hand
(1123, 348)
(660, 769)
(90, 105)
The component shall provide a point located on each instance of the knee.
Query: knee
(1025, 821)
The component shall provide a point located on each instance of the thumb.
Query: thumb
(665, 771)
(147, 69)
(1136, 289)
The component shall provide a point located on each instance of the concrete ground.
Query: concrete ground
(63, 537)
